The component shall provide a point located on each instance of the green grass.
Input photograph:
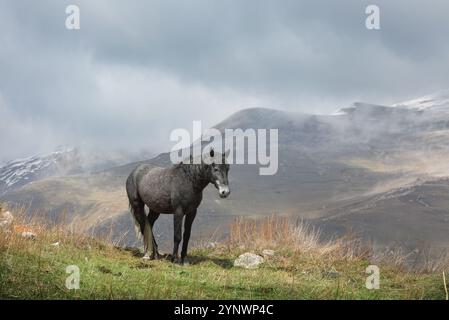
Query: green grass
(34, 269)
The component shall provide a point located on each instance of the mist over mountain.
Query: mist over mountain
(63, 161)
(438, 101)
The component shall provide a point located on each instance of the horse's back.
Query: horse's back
(153, 185)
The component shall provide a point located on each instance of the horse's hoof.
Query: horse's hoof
(147, 257)
(175, 260)
(185, 262)
(158, 256)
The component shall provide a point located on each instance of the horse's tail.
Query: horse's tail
(137, 226)
(136, 206)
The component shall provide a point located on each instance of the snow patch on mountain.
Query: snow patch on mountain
(63, 161)
(438, 101)
(19, 172)
(360, 106)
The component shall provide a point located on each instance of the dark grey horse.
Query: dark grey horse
(176, 190)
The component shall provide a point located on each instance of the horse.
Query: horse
(176, 190)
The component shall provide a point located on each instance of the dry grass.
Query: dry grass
(54, 233)
(294, 235)
(286, 233)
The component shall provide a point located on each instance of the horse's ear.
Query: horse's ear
(225, 155)
(211, 152)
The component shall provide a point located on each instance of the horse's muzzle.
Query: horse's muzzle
(223, 191)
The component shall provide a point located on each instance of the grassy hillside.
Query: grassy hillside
(302, 268)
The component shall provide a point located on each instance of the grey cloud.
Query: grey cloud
(138, 69)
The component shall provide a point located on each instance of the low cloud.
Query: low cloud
(138, 69)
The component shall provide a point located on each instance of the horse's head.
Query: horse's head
(219, 172)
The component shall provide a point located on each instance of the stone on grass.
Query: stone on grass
(332, 273)
(248, 260)
(28, 235)
(6, 220)
(268, 253)
(211, 245)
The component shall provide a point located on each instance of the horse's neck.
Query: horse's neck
(200, 185)
(196, 173)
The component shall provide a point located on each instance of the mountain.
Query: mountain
(438, 101)
(413, 214)
(63, 161)
(369, 168)
(17, 173)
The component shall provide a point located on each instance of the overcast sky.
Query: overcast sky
(138, 69)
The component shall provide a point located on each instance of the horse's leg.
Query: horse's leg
(148, 240)
(177, 224)
(152, 217)
(190, 216)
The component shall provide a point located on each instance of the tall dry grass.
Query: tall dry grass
(296, 235)
(45, 233)
(27, 218)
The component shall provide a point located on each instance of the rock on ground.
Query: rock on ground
(28, 235)
(332, 273)
(6, 220)
(268, 253)
(248, 261)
